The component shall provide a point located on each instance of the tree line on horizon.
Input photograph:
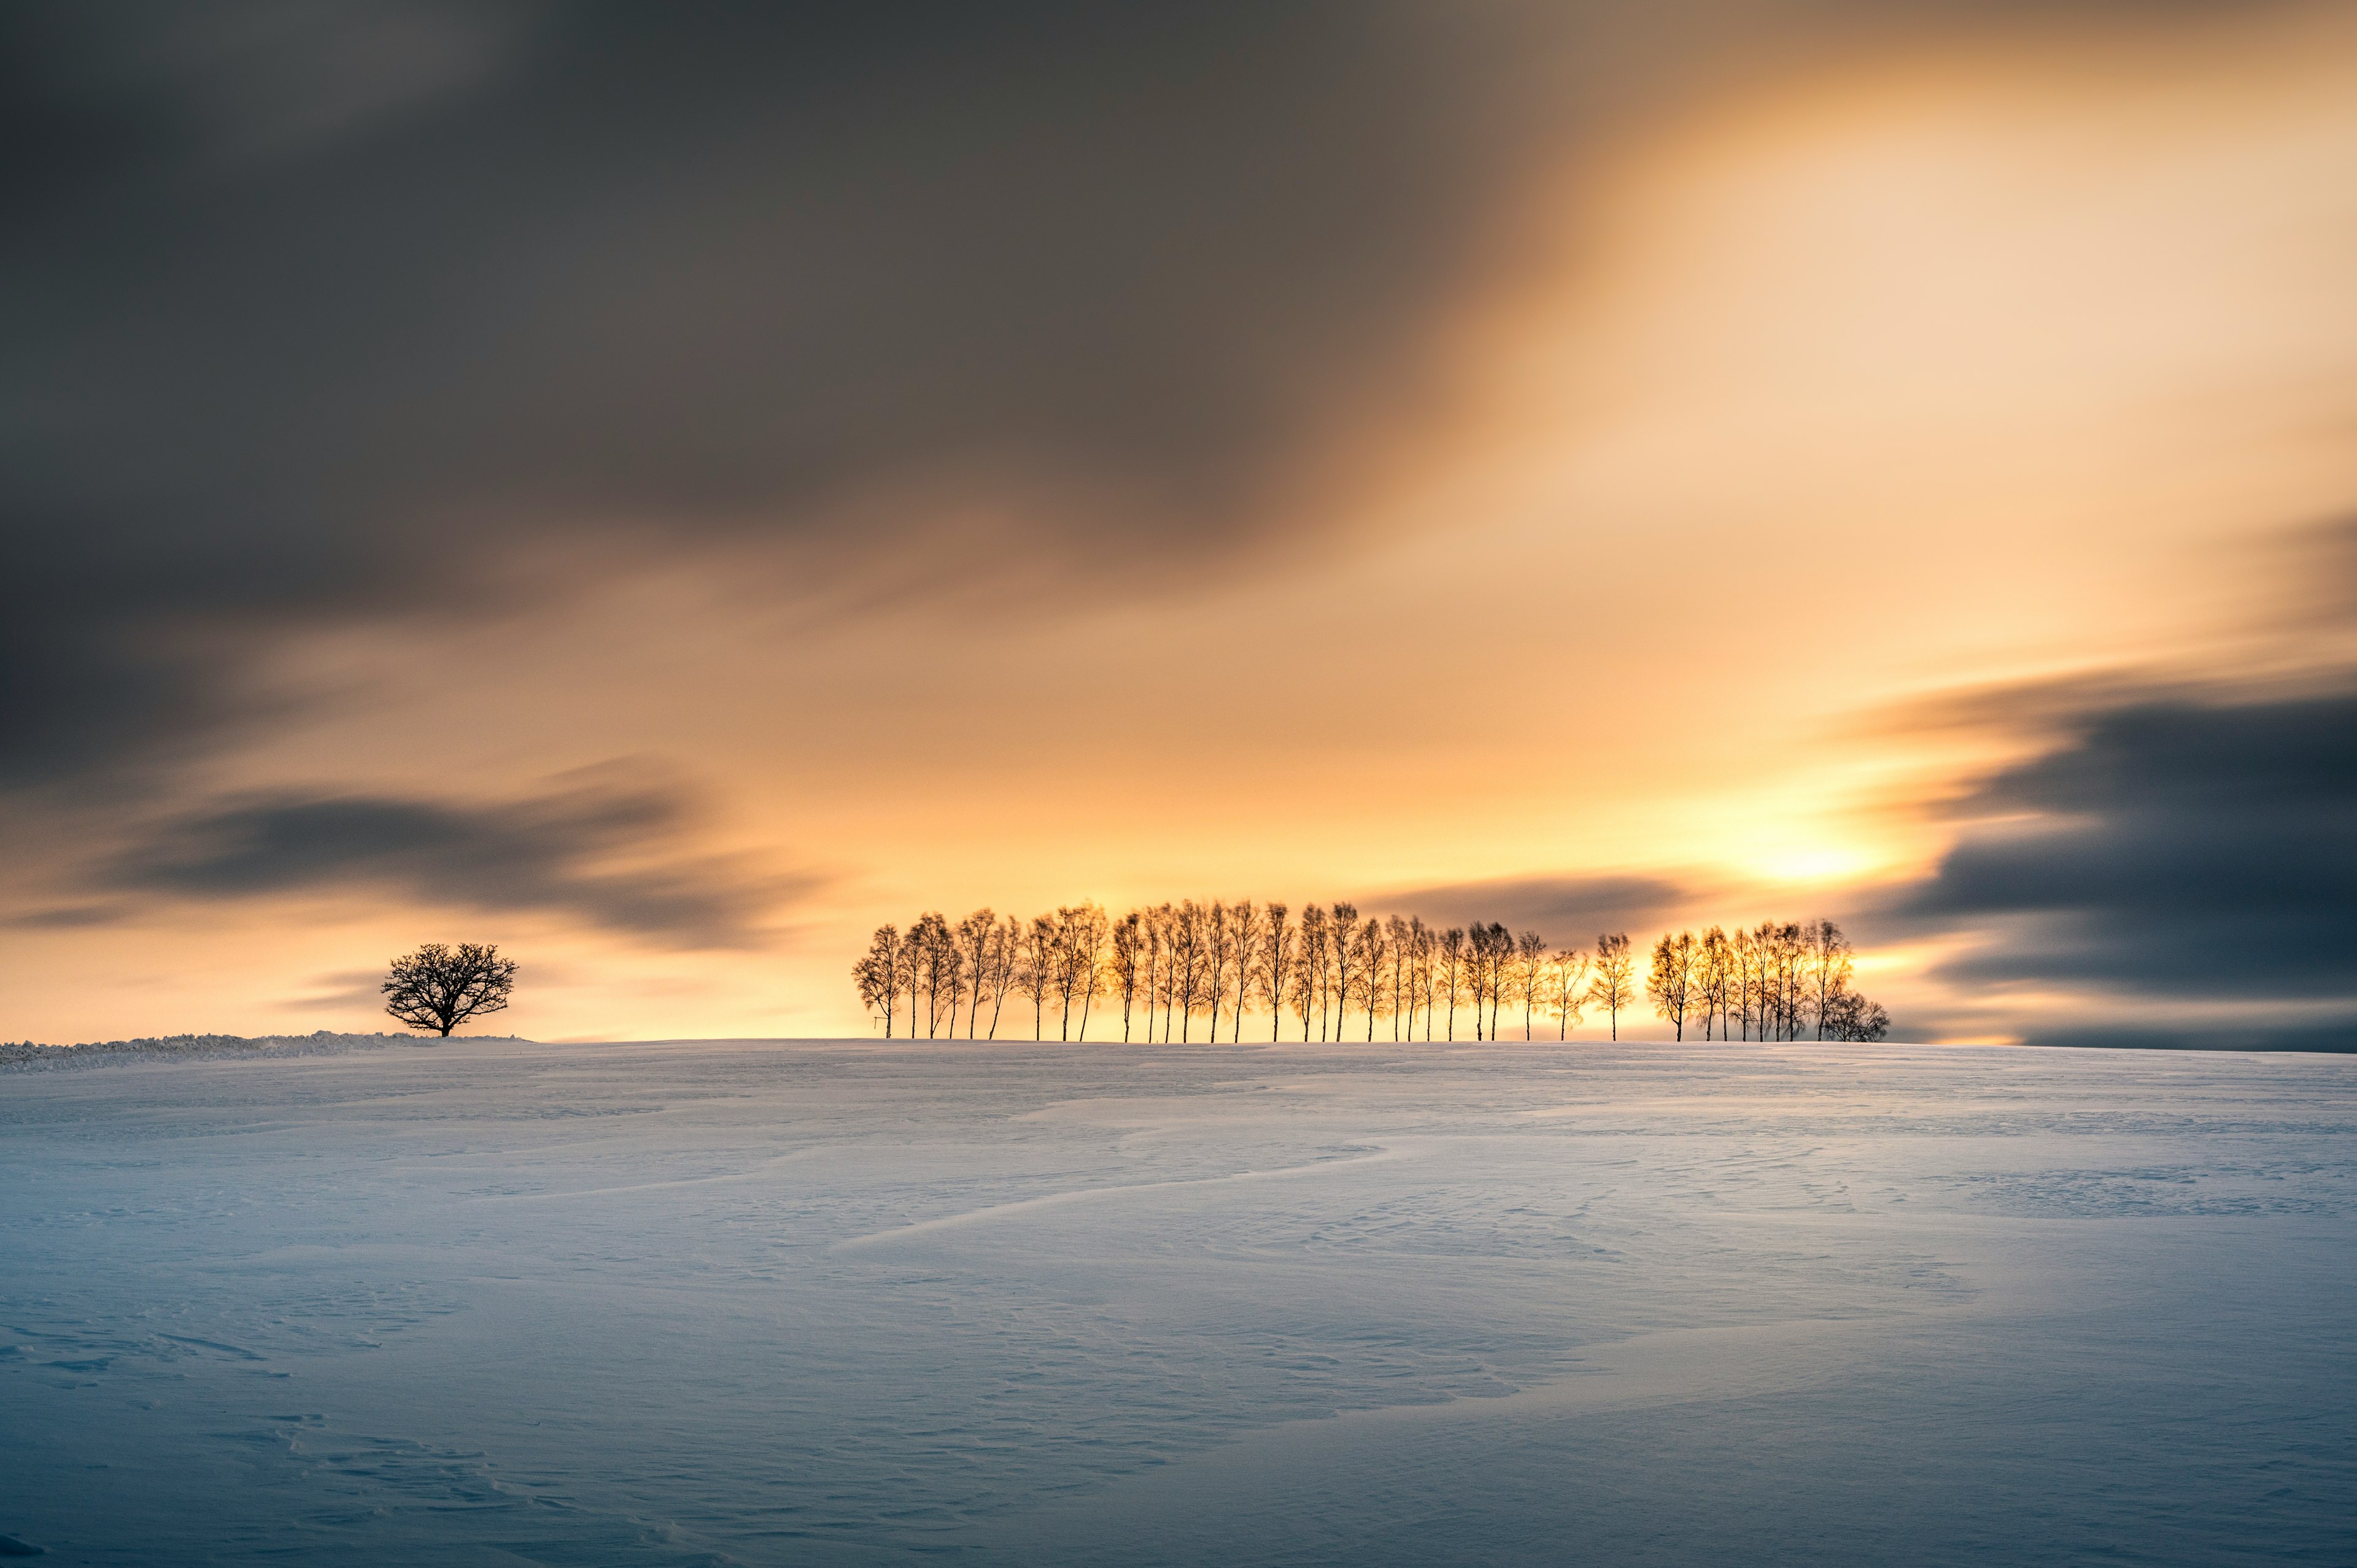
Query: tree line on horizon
(1169, 966)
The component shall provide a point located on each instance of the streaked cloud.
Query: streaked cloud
(1569, 910)
(1485, 455)
(609, 857)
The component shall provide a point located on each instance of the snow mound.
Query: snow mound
(23, 1055)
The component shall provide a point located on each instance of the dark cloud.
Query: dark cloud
(79, 698)
(365, 308)
(2332, 1034)
(1569, 910)
(2200, 848)
(600, 854)
(315, 302)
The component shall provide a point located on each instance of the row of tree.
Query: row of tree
(1169, 967)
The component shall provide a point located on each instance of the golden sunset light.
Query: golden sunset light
(1663, 443)
(1393, 785)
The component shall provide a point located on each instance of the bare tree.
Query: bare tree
(974, 958)
(1155, 924)
(1490, 960)
(1367, 948)
(1744, 988)
(1714, 974)
(1452, 971)
(1779, 978)
(878, 974)
(1399, 963)
(440, 987)
(1422, 940)
(1274, 969)
(1244, 921)
(1310, 960)
(1080, 961)
(1006, 956)
(1530, 955)
(1477, 973)
(1851, 1018)
(1184, 934)
(1784, 947)
(1612, 982)
(1034, 970)
(1567, 974)
(1127, 964)
(1670, 983)
(1217, 960)
(1341, 939)
(933, 972)
(1827, 968)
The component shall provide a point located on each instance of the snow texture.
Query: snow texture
(484, 1303)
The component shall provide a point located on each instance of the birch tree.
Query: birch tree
(973, 939)
(1452, 972)
(1342, 934)
(1528, 984)
(1244, 921)
(1274, 970)
(1567, 982)
(1129, 964)
(877, 974)
(1670, 981)
(1217, 956)
(1612, 980)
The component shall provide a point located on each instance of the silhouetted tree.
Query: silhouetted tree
(933, 970)
(1530, 960)
(1156, 924)
(1244, 921)
(1079, 962)
(1006, 964)
(1452, 972)
(973, 934)
(1424, 939)
(1190, 965)
(1851, 1018)
(1218, 957)
(1612, 980)
(1129, 964)
(1490, 956)
(1341, 939)
(440, 987)
(1399, 963)
(1777, 978)
(1568, 976)
(1274, 970)
(1743, 982)
(1715, 974)
(1477, 974)
(1670, 983)
(877, 974)
(1367, 945)
(1034, 970)
(1825, 957)
(1309, 963)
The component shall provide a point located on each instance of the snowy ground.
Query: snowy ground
(715, 1302)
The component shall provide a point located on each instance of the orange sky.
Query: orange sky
(1926, 363)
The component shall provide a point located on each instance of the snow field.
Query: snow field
(751, 1302)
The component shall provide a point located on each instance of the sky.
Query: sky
(667, 489)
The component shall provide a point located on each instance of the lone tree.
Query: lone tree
(440, 987)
